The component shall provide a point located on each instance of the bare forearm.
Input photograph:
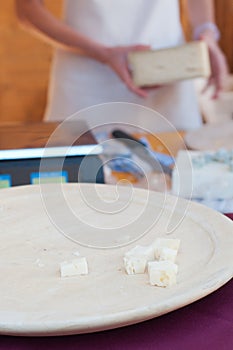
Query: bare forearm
(201, 11)
(36, 17)
(202, 19)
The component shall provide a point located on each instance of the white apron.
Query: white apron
(78, 82)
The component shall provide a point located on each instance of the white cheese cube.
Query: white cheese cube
(142, 251)
(134, 264)
(135, 259)
(76, 267)
(163, 66)
(167, 254)
(162, 273)
(161, 243)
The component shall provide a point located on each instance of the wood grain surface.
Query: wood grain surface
(38, 134)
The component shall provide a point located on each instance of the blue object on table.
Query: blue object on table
(161, 157)
(125, 164)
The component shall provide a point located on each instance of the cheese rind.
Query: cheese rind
(154, 67)
(162, 273)
(75, 267)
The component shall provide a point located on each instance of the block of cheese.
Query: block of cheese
(75, 267)
(167, 254)
(166, 248)
(139, 250)
(162, 273)
(207, 175)
(155, 67)
(134, 264)
(135, 260)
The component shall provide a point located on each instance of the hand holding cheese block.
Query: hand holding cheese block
(150, 68)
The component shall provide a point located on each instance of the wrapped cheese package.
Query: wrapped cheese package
(155, 67)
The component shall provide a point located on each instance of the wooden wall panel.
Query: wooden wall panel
(24, 67)
(25, 60)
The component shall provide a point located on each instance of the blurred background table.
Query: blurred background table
(38, 135)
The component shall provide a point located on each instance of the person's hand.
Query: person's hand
(219, 69)
(116, 58)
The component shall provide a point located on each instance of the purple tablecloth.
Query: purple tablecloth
(203, 325)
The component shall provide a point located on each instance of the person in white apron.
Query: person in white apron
(81, 77)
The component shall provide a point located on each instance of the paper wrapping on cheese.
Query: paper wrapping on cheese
(155, 67)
